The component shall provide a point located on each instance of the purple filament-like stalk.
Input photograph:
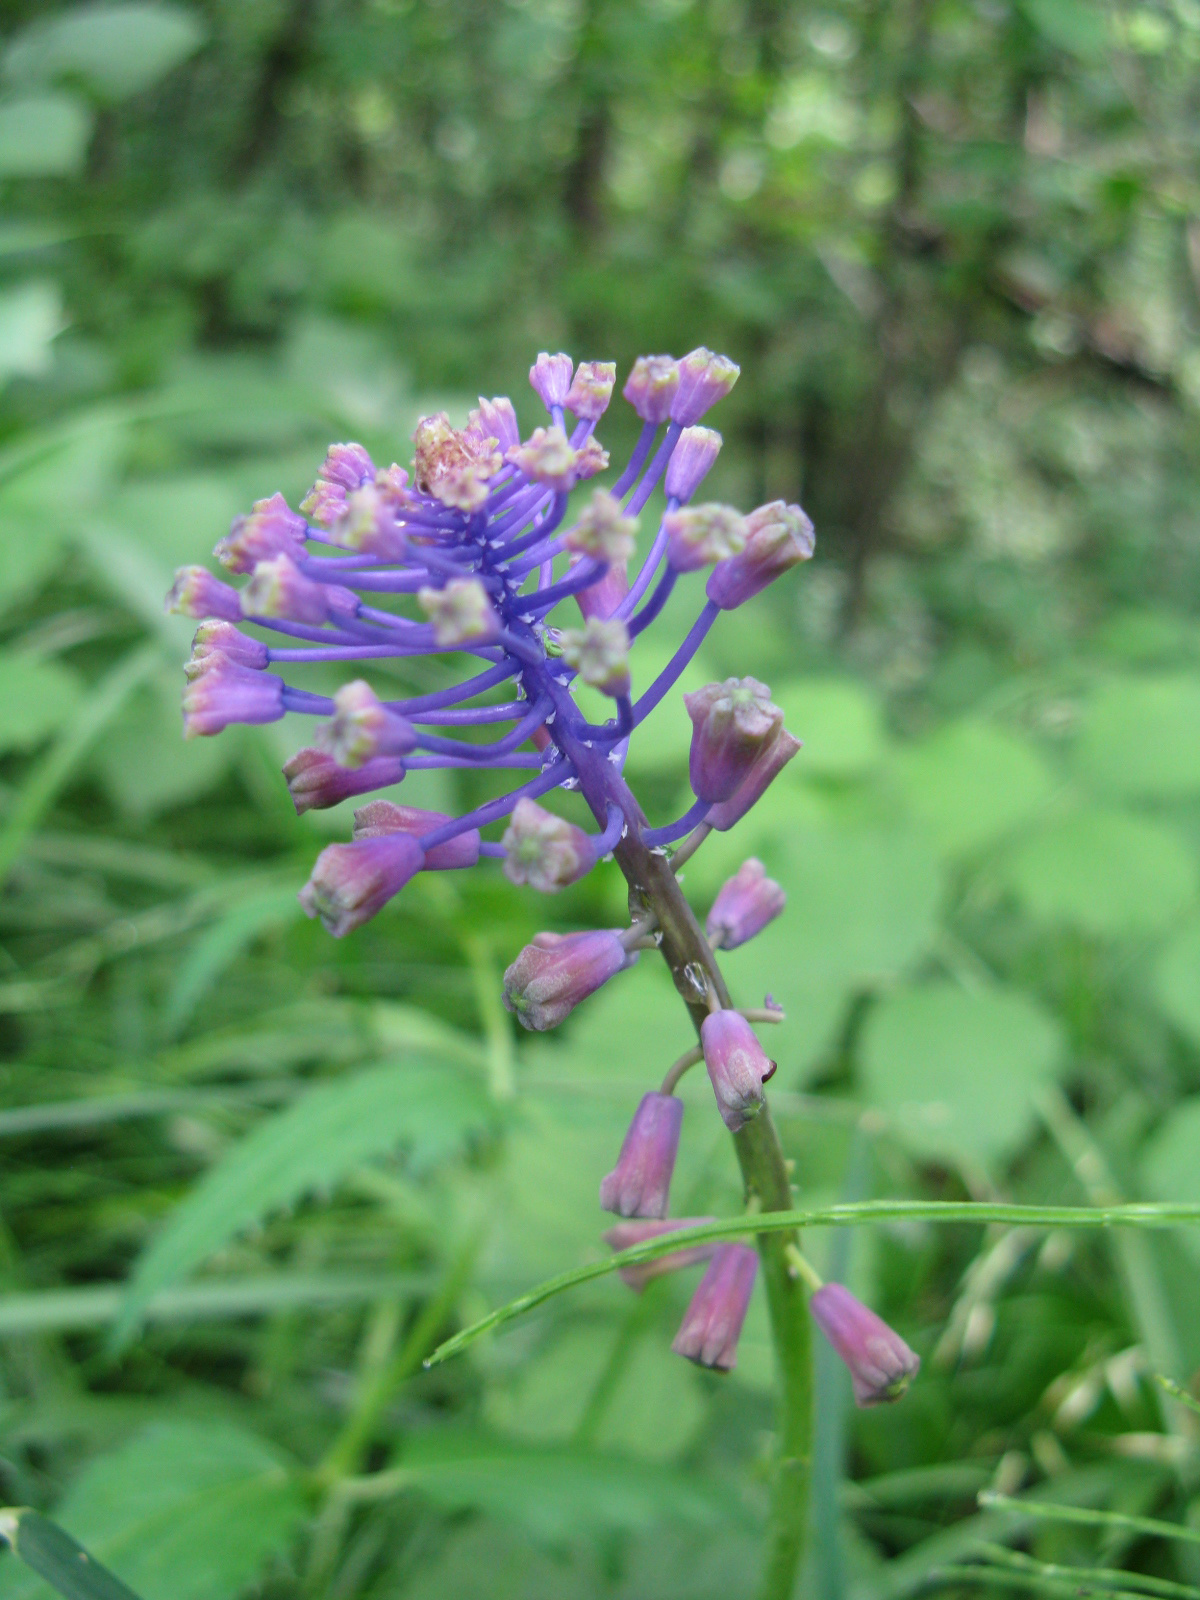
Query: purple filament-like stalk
(676, 830)
(678, 662)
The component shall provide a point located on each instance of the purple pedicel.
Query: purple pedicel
(881, 1364)
(471, 537)
(743, 907)
(627, 1234)
(640, 1182)
(381, 817)
(712, 1323)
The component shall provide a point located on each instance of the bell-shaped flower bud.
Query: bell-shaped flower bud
(551, 379)
(227, 693)
(699, 535)
(738, 1066)
(544, 851)
(778, 536)
(881, 1364)
(601, 599)
(599, 652)
(461, 613)
(346, 467)
(767, 765)
(271, 529)
(379, 817)
(496, 419)
(639, 1184)
(591, 389)
(315, 780)
(351, 882)
(279, 589)
(553, 974)
(712, 1323)
(603, 531)
(743, 907)
(196, 593)
(626, 1234)
(362, 727)
(370, 522)
(704, 378)
(690, 461)
(732, 723)
(221, 641)
(548, 457)
(651, 387)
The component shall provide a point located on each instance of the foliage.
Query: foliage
(955, 248)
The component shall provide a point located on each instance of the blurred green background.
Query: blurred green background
(955, 246)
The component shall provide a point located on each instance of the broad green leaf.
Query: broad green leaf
(43, 136)
(145, 763)
(116, 50)
(183, 1511)
(971, 783)
(956, 1071)
(1177, 980)
(221, 944)
(36, 698)
(31, 318)
(424, 1107)
(1076, 26)
(1138, 738)
(54, 1555)
(1105, 872)
(840, 723)
(517, 1568)
(1171, 1158)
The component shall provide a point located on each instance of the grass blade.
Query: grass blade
(54, 1555)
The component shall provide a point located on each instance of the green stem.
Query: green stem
(693, 966)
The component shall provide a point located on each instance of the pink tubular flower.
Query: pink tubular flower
(550, 377)
(767, 765)
(271, 529)
(221, 641)
(553, 974)
(591, 389)
(778, 536)
(363, 728)
(346, 467)
(461, 612)
(626, 1234)
(738, 1066)
(227, 693)
(639, 1184)
(881, 1364)
(381, 817)
(743, 907)
(603, 530)
(704, 378)
(693, 456)
(599, 652)
(196, 593)
(732, 723)
(699, 535)
(315, 780)
(651, 387)
(544, 851)
(351, 882)
(712, 1323)
(278, 589)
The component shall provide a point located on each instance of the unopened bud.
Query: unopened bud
(461, 613)
(738, 1066)
(496, 419)
(881, 1365)
(551, 379)
(346, 467)
(599, 652)
(712, 1323)
(732, 722)
(639, 1184)
(363, 727)
(279, 589)
(743, 907)
(553, 974)
(351, 882)
(603, 531)
(215, 640)
(315, 780)
(690, 461)
(271, 529)
(626, 1234)
(699, 535)
(601, 599)
(543, 850)
(767, 765)
(651, 387)
(778, 536)
(548, 457)
(379, 817)
(370, 521)
(704, 378)
(591, 389)
(196, 593)
(227, 693)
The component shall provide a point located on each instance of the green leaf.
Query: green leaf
(971, 783)
(956, 1071)
(183, 1511)
(1137, 738)
(312, 1145)
(840, 723)
(1176, 981)
(1171, 1158)
(31, 318)
(43, 136)
(55, 1556)
(1076, 26)
(116, 50)
(145, 763)
(1105, 872)
(220, 945)
(36, 698)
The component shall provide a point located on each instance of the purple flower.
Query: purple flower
(881, 1364)
(215, 640)
(603, 531)
(496, 419)
(766, 766)
(550, 377)
(558, 970)
(278, 589)
(196, 593)
(381, 817)
(712, 1323)
(461, 612)
(699, 535)
(778, 536)
(315, 780)
(591, 389)
(704, 378)
(548, 457)
(543, 850)
(226, 692)
(639, 1184)
(732, 723)
(602, 598)
(738, 1066)
(363, 728)
(743, 907)
(271, 529)
(351, 882)
(626, 1234)
(599, 653)
(695, 453)
(651, 387)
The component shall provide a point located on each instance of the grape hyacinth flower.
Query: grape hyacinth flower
(881, 1364)
(743, 907)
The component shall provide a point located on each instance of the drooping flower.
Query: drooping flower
(881, 1365)
(699, 535)
(743, 907)
(196, 593)
(732, 723)
(712, 1323)
(221, 641)
(639, 1184)
(363, 727)
(271, 529)
(351, 882)
(316, 781)
(765, 768)
(738, 1066)
(778, 536)
(544, 851)
(553, 974)
(381, 817)
(227, 692)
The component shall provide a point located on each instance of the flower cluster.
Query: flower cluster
(471, 552)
